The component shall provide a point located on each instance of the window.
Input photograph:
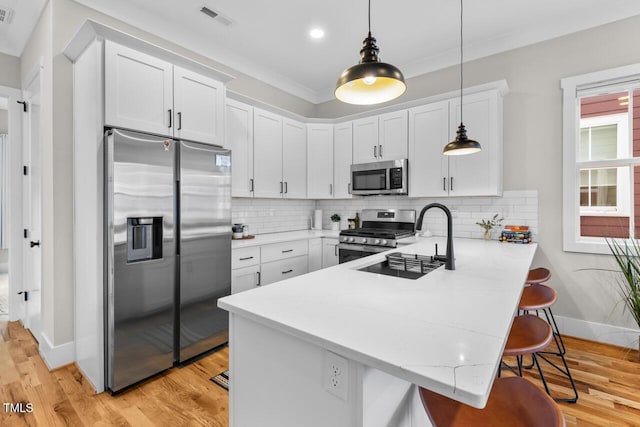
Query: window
(601, 158)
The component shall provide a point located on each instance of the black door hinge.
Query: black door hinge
(25, 233)
(25, 170)
(24, 105)
(26, 295)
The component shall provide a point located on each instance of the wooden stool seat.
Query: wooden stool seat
(529, 334)
(537, 297)
(538, 275)
(513, 401)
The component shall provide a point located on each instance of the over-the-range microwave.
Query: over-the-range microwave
(386, 177)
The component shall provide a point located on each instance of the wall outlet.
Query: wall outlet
(336, 374)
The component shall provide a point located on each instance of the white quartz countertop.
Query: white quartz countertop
(286, 236)
(444, 331)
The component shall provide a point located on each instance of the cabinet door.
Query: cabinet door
(138, 91)
(365, 140)
(267, 149)
(477, 174)
(315, 254)
(246, 278)
(329, 252)
(239, 131)
(320, 161)
(393, 142)
(342, 159)
(294, 159)
(428, 134)
(198, 103)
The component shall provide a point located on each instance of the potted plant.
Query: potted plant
(335, 221)
(488, 225)
(627, 256)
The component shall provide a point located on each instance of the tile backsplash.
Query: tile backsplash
(274, 215)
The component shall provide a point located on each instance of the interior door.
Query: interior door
(32, 209)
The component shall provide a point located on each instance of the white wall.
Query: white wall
(9, 71)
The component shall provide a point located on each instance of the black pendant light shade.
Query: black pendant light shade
(462, 144)
(370, 81)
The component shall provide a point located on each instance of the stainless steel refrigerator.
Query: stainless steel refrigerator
(168, 254)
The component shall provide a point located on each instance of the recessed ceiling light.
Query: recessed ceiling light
(316, 33)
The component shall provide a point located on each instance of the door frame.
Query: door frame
(14, 200)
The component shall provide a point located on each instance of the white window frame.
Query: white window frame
(591, 83)
(623, 181)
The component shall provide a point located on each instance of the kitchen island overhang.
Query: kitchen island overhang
(444, 331)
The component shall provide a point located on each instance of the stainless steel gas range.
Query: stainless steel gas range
(381, 230)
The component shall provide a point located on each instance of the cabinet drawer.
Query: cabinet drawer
(245, 278)
(245, 257)
(283, 269)
(284, 250)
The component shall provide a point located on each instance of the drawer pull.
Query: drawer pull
(287, 250)
(246, 258)
(288, 271)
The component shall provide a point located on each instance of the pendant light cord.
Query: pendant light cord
(369, 17)
(461, 62)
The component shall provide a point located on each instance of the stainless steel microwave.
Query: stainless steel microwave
(387, 177)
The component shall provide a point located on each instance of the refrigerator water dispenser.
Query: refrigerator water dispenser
(144, 238)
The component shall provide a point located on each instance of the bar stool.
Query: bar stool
(513, 401)
(538, 275)
(529, 334)
(538, 297)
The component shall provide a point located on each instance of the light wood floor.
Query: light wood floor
(608, 379)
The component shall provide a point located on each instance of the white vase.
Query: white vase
(335, 226)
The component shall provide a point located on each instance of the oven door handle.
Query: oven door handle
(363, 248)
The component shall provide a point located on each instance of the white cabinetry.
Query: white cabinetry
(315, 254)
(329, 252)
(342, 159)
(245, 269)
(294, 159)
(432, 126)
(320, 161)
(239, 129)
(280, 168)
(148, 94)
(267, 148)
(284, 260)
(380, 138)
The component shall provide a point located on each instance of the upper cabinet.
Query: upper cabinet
(267, 149)
(320, 161)
(342, 159)
(294, 159)
(432, 126)
(379, 138)
(239, 139)
(148, 94)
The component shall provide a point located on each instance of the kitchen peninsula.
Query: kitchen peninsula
(344, 347)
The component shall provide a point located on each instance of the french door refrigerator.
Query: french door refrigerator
(168, 254)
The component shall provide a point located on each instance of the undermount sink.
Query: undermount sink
(407, 266)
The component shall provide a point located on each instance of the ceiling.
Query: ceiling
(15, 32)
(270, 40)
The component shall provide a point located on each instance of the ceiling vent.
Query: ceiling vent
(216, 16)
(5, 15)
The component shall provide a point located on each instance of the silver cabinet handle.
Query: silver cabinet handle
(286, 187)
(349, 188)
(287, 272)
(259, 278)
(287, 250)
(380, 151)
(335, 250)
(251, 182)
(170, 114)
(331, 189)
(280, 187)
(451, 184)
(246, 258)
(444, 183)
(179, 120)
(375, 151)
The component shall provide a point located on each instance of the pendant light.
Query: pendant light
(370, 81)
(462, 144)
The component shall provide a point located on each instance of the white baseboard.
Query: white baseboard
(600, 332)
(56, 356)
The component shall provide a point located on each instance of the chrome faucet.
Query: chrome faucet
(449, 261)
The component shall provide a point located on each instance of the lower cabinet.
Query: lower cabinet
(275, 271)
(329, 252)
(315, 254)
(245, 278)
